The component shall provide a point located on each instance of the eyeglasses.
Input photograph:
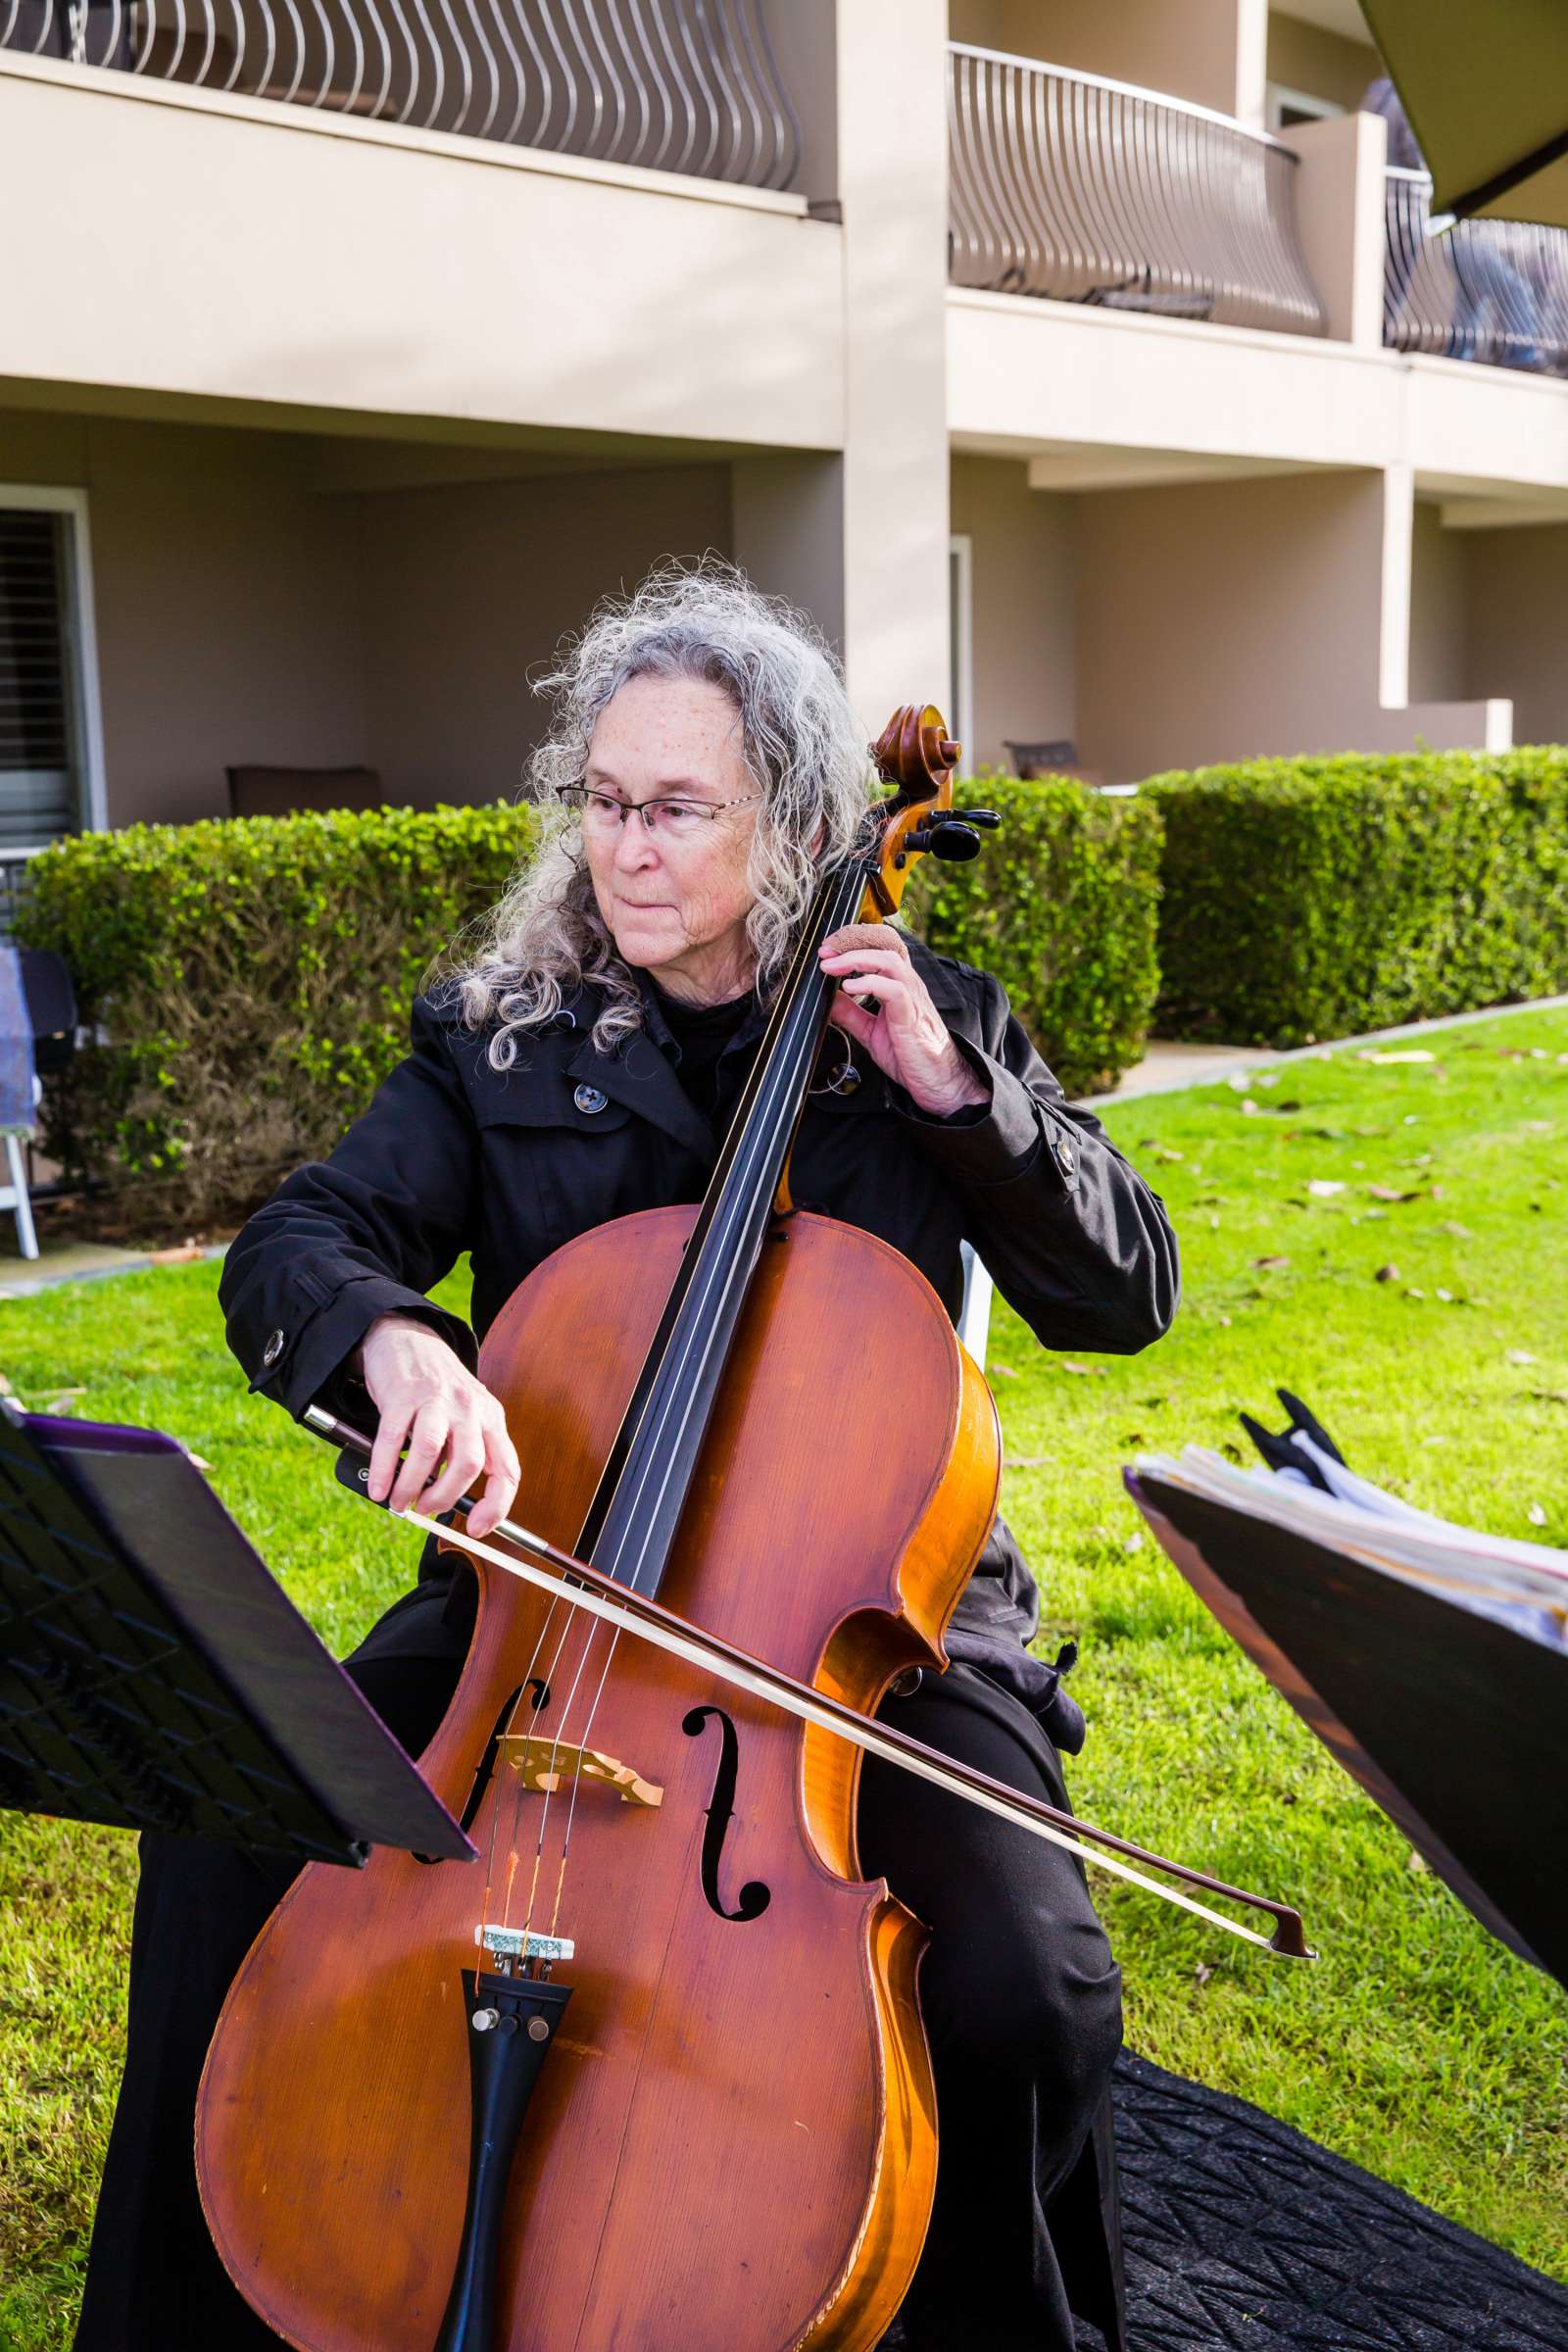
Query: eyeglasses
(669, 820)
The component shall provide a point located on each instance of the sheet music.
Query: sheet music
(1517, 1584)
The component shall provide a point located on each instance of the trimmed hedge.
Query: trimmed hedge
(1061, 905)
(252, 979)
(1308, 899)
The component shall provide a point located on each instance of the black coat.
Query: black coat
(455, 1155)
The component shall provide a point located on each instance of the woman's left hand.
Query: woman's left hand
(905, 1036)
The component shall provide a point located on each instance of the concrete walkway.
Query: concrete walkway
(84, 1261)
(1165, 1068)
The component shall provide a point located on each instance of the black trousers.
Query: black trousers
(1021, 1996)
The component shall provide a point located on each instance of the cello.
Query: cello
(652, 2075)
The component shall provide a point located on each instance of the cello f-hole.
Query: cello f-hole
(755, 1897)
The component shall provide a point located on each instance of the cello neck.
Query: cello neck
(632, 1522)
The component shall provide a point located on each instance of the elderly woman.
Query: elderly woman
(703, 767)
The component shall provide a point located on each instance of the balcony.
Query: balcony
(1490, 290)
(648, 83)
(1073, 188)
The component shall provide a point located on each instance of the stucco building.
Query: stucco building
(1078, 362)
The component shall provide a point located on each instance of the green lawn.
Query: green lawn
(1416, 2046)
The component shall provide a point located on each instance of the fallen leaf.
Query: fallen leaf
(1002, 1371)
(1519, 1355)
(185, 1255)
(1324, 1188)
(1536, 1515)
(1225, 1321)
(1445, 1296)
(1406, 1054)
(1271, 1262)
(1248, 1106)
(1389, 1192)
(1134, 1542)
(1387, 1274)
(1414, 1294)
(1084, 1371)
(1550, 1396)
(1201, 1973)
(1418, 1863)
(1460, 1233)
(1238, 1081)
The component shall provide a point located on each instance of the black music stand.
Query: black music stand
(155, 1675)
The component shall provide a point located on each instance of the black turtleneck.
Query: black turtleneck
(702, 1035)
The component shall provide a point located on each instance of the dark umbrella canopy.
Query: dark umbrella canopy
(1485, 83)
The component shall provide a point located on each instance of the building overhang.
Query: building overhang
(228, 254)
(1097, 399)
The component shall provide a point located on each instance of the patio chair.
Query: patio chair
(292, 791)
(37, 1036)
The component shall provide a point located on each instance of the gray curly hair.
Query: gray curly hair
(800, 744)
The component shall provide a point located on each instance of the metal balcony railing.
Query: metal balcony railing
(1489, 290)
(1076, 188)
(677, 85)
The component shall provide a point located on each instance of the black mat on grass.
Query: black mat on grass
(1241, 2233)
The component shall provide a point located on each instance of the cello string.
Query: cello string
(507, 1733)
(550, 1793)
(520, 1789)
(777, 1085)
(798, 1046)
(793, 1055)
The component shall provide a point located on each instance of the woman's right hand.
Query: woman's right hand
(431, 1403)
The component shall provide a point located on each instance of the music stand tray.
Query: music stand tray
(155, 1675)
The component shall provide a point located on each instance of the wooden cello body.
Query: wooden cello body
(730, 2145)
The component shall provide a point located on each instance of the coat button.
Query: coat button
(1064, 1158)
(590, 1098)
(274, 1350)
(848, 1081)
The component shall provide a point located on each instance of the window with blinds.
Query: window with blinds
(40, 796)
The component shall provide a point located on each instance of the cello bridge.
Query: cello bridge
(519, 1946)
(549, 1765)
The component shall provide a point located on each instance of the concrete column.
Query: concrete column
(1249, 104)
(1394, 610)
(787, 531)
(892, 181)
(1342, 215)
